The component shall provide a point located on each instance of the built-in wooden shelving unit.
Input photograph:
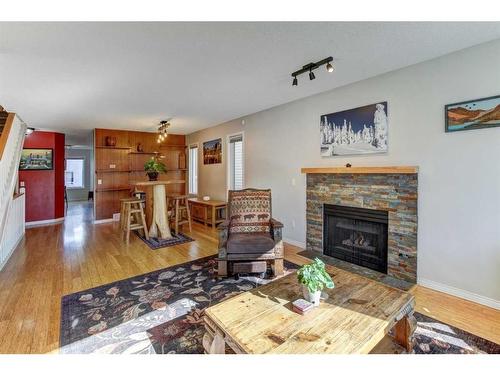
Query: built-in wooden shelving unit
(112, 171)
(114, 148)
(118, 167)
(114, 189)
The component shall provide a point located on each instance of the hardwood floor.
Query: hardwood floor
(478, 319)
(61, 259)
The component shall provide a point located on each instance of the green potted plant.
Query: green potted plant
(153, 168)
(314, 278)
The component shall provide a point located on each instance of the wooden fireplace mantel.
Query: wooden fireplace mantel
(401, 169)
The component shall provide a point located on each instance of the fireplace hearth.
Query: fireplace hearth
(356, 235)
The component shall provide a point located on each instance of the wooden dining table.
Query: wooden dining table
(156, 206)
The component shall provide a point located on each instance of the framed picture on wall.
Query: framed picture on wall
(358, 131)
(36, 159)
(212, 151)
(473, 114)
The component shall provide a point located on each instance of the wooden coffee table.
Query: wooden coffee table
(354, 318)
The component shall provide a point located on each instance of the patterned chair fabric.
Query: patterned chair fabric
(250, 211)
(250, 235)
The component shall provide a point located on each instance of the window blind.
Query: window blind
(236, 167)
(193, 169)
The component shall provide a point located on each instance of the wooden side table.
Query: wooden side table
(211, 212)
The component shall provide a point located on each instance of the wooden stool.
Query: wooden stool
(139, 194)
(179, 211)
(132, 217)
(123, 212)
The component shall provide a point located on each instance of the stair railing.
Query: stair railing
(11, 146)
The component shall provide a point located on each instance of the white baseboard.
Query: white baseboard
(302, 245)
(40, 223)
(490, 302)
(104, 221)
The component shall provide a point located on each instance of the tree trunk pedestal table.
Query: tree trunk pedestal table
(356, 316)
(156, 206)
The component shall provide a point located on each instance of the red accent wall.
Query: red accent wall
(45, 189)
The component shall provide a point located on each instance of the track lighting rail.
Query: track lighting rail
(308, 68)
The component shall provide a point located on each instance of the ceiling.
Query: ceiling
(73, 77)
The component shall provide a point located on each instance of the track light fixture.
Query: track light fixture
(312, 66)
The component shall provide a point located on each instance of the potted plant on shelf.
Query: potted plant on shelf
(153, 168)
(314, 278)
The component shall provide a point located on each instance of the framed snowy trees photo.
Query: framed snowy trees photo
(357, 131)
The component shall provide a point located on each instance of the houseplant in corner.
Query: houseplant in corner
(314, 278)
(153, 168)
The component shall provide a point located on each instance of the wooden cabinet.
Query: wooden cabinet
(117, 167)
(198, 212)
(208, 212)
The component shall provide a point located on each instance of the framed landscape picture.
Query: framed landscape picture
(36, 159)
(357, 131)
(212, 151)
(473, 114)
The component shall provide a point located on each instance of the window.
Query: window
(73, 176)
(193, 169)
(236, 180)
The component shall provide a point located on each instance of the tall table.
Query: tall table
(156, 206)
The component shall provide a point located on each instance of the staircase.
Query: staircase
(3, 119)
(12, 133)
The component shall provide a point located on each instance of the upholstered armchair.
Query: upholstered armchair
(250, 237)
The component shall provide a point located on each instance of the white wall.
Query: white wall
(212, 178)
(459, 179)
(81, 194)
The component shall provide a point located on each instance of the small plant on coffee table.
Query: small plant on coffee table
(314, 279)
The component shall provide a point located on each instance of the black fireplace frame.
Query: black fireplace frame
(362, 214)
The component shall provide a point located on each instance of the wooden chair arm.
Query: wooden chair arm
(276, 224)
(223, 231)
(276, 230)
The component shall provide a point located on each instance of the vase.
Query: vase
(110, 141)
(182, 161)
(153, 176)
(314, 298)
(140, 147)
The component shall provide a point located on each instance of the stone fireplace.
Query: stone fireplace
(365, 216)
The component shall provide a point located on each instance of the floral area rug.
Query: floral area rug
(158, 243)
(435, 337)
(162, 312)
(158, 312)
